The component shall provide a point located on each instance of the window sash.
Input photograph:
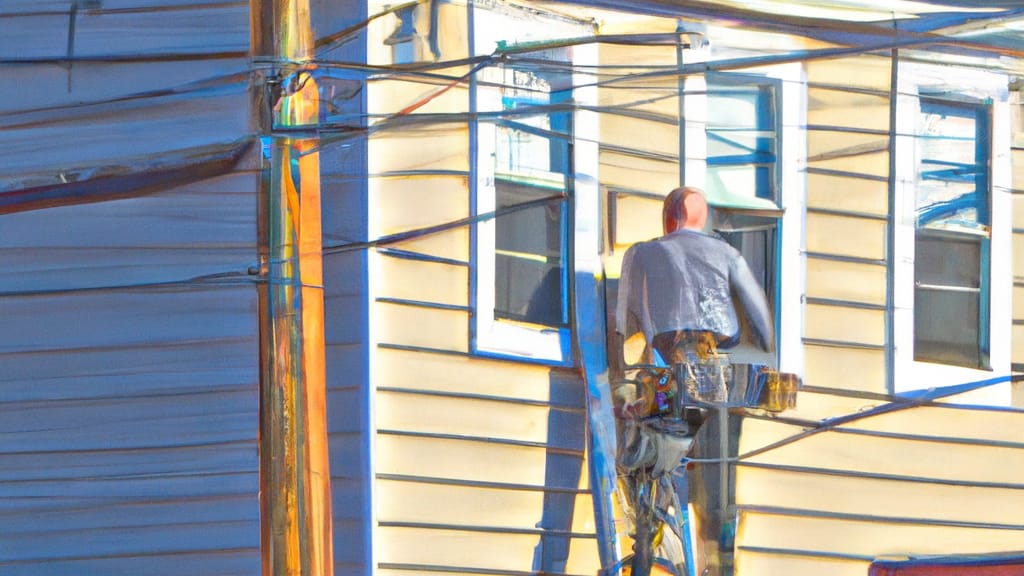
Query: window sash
(952, 244)
(523, 177)
(743, 144)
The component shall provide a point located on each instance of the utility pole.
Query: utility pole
(295, 497)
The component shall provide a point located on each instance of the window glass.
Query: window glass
(742, 149)
(947, 300)
(952, 175)
(742, 142)
(523, 163)
(951, 243)
(529, 262)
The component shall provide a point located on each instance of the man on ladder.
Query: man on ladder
(678, 292)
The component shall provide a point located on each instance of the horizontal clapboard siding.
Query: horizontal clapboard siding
(846, 223)
(1017, 354)
(479, 464)
(128, 428)
(465, 451)
(914, 481)
(130, 350)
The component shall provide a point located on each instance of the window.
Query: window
(523, 176)
(403, 40)
(742, 161)
(742, 136)
(952, 233)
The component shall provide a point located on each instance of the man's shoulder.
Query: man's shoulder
(684, 239)
(695, 237)
(642, 246)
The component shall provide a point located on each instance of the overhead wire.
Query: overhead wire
(365, 125)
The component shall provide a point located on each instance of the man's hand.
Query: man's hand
(627, 405)
(633, 410)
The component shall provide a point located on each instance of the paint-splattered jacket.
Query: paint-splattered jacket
(686, 280)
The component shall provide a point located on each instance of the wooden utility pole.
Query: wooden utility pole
(295, 497)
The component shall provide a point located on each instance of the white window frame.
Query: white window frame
(792, 194)
(492, 336)
(918, 79)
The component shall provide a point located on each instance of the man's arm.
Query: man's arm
(750, 294)
(630, 288)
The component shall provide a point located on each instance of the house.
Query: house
(474, 173)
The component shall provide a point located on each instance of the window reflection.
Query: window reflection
(741, 136)
(952, 171)
(951, 244)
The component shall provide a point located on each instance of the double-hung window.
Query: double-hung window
(952, 233)
(523, 180)
(743, 168)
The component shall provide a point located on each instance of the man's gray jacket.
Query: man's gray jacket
(686, 281)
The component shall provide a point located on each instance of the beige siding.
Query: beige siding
(468, 417)
(1017, 356)
(846, 231)
(916, 481)
(466, 506)
(436, 282)
(626, 171)
(418, 326)
(877, 497)
(434, 373)
(861, 538)
(641, 134)
(416, 546)
(848, 193)
(460, 459)
(879, 455)
(846, 236)
(408, 91)
(760, 563)
(845, 368)
(419, 202)
(873, 164)
(861, 152)
(661, 101)
(627, 57)
(463, 445)
(637, 218)
(835, 106)
(844, 324)
(452, 243)
(864, 283)
(866, 72)
(1018, 334)
(1018, 255)
(442, 147)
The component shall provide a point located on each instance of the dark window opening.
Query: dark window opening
(529, 261)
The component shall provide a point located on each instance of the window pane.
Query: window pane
(527, 148)
(531, 164)
(947, 259)
(952, 182)
(528, 256)
(758, 249)
(741, 137)
(948, 332)
(523, 125)
(951, 242)
(740, 179)
(947, 298)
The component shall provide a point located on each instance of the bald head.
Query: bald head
(684, 208)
